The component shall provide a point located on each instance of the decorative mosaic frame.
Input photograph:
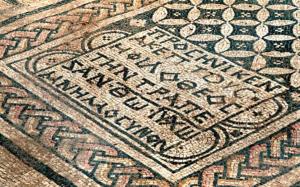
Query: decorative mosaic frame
(266, 162)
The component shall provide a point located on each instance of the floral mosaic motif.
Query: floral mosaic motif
(261, 35)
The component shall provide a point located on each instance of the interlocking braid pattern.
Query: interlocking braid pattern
(53, 27)
(111, 167)
(256, 164)
(95, 157)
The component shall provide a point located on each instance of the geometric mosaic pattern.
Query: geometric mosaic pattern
(262, 36)
(56, 26)
(90, 154)
(95, 157)
(259, 163)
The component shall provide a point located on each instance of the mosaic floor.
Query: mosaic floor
(186, 93)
